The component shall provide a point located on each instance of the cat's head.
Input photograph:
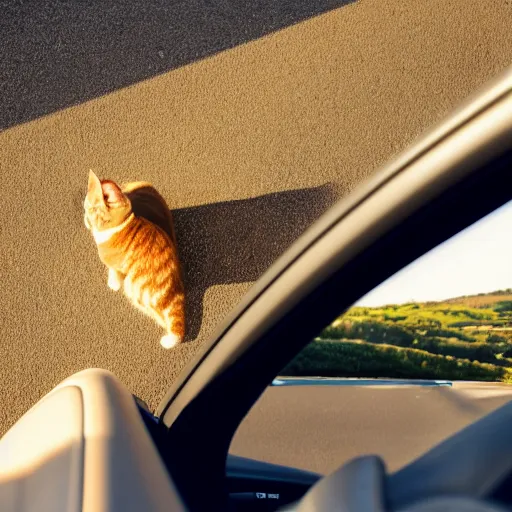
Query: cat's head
(105, 204)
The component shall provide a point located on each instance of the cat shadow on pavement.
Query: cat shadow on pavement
(236, 241)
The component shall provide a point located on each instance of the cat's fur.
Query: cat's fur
(134, 233)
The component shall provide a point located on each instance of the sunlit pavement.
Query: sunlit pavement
(212, 107)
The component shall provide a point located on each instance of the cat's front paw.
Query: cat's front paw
(114, 283)
(87, 222)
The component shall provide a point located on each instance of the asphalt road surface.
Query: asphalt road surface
(250, 117)
(318, 428)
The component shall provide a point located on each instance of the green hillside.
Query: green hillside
(465, 338)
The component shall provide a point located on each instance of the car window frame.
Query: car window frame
(204, 410)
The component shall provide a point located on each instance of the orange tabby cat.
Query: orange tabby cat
(134, 233)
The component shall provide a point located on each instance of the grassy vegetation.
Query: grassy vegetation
(465, 338)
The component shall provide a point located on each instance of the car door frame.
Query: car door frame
(453, 176)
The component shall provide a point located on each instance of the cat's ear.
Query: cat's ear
(112, 193)
(94, 192)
